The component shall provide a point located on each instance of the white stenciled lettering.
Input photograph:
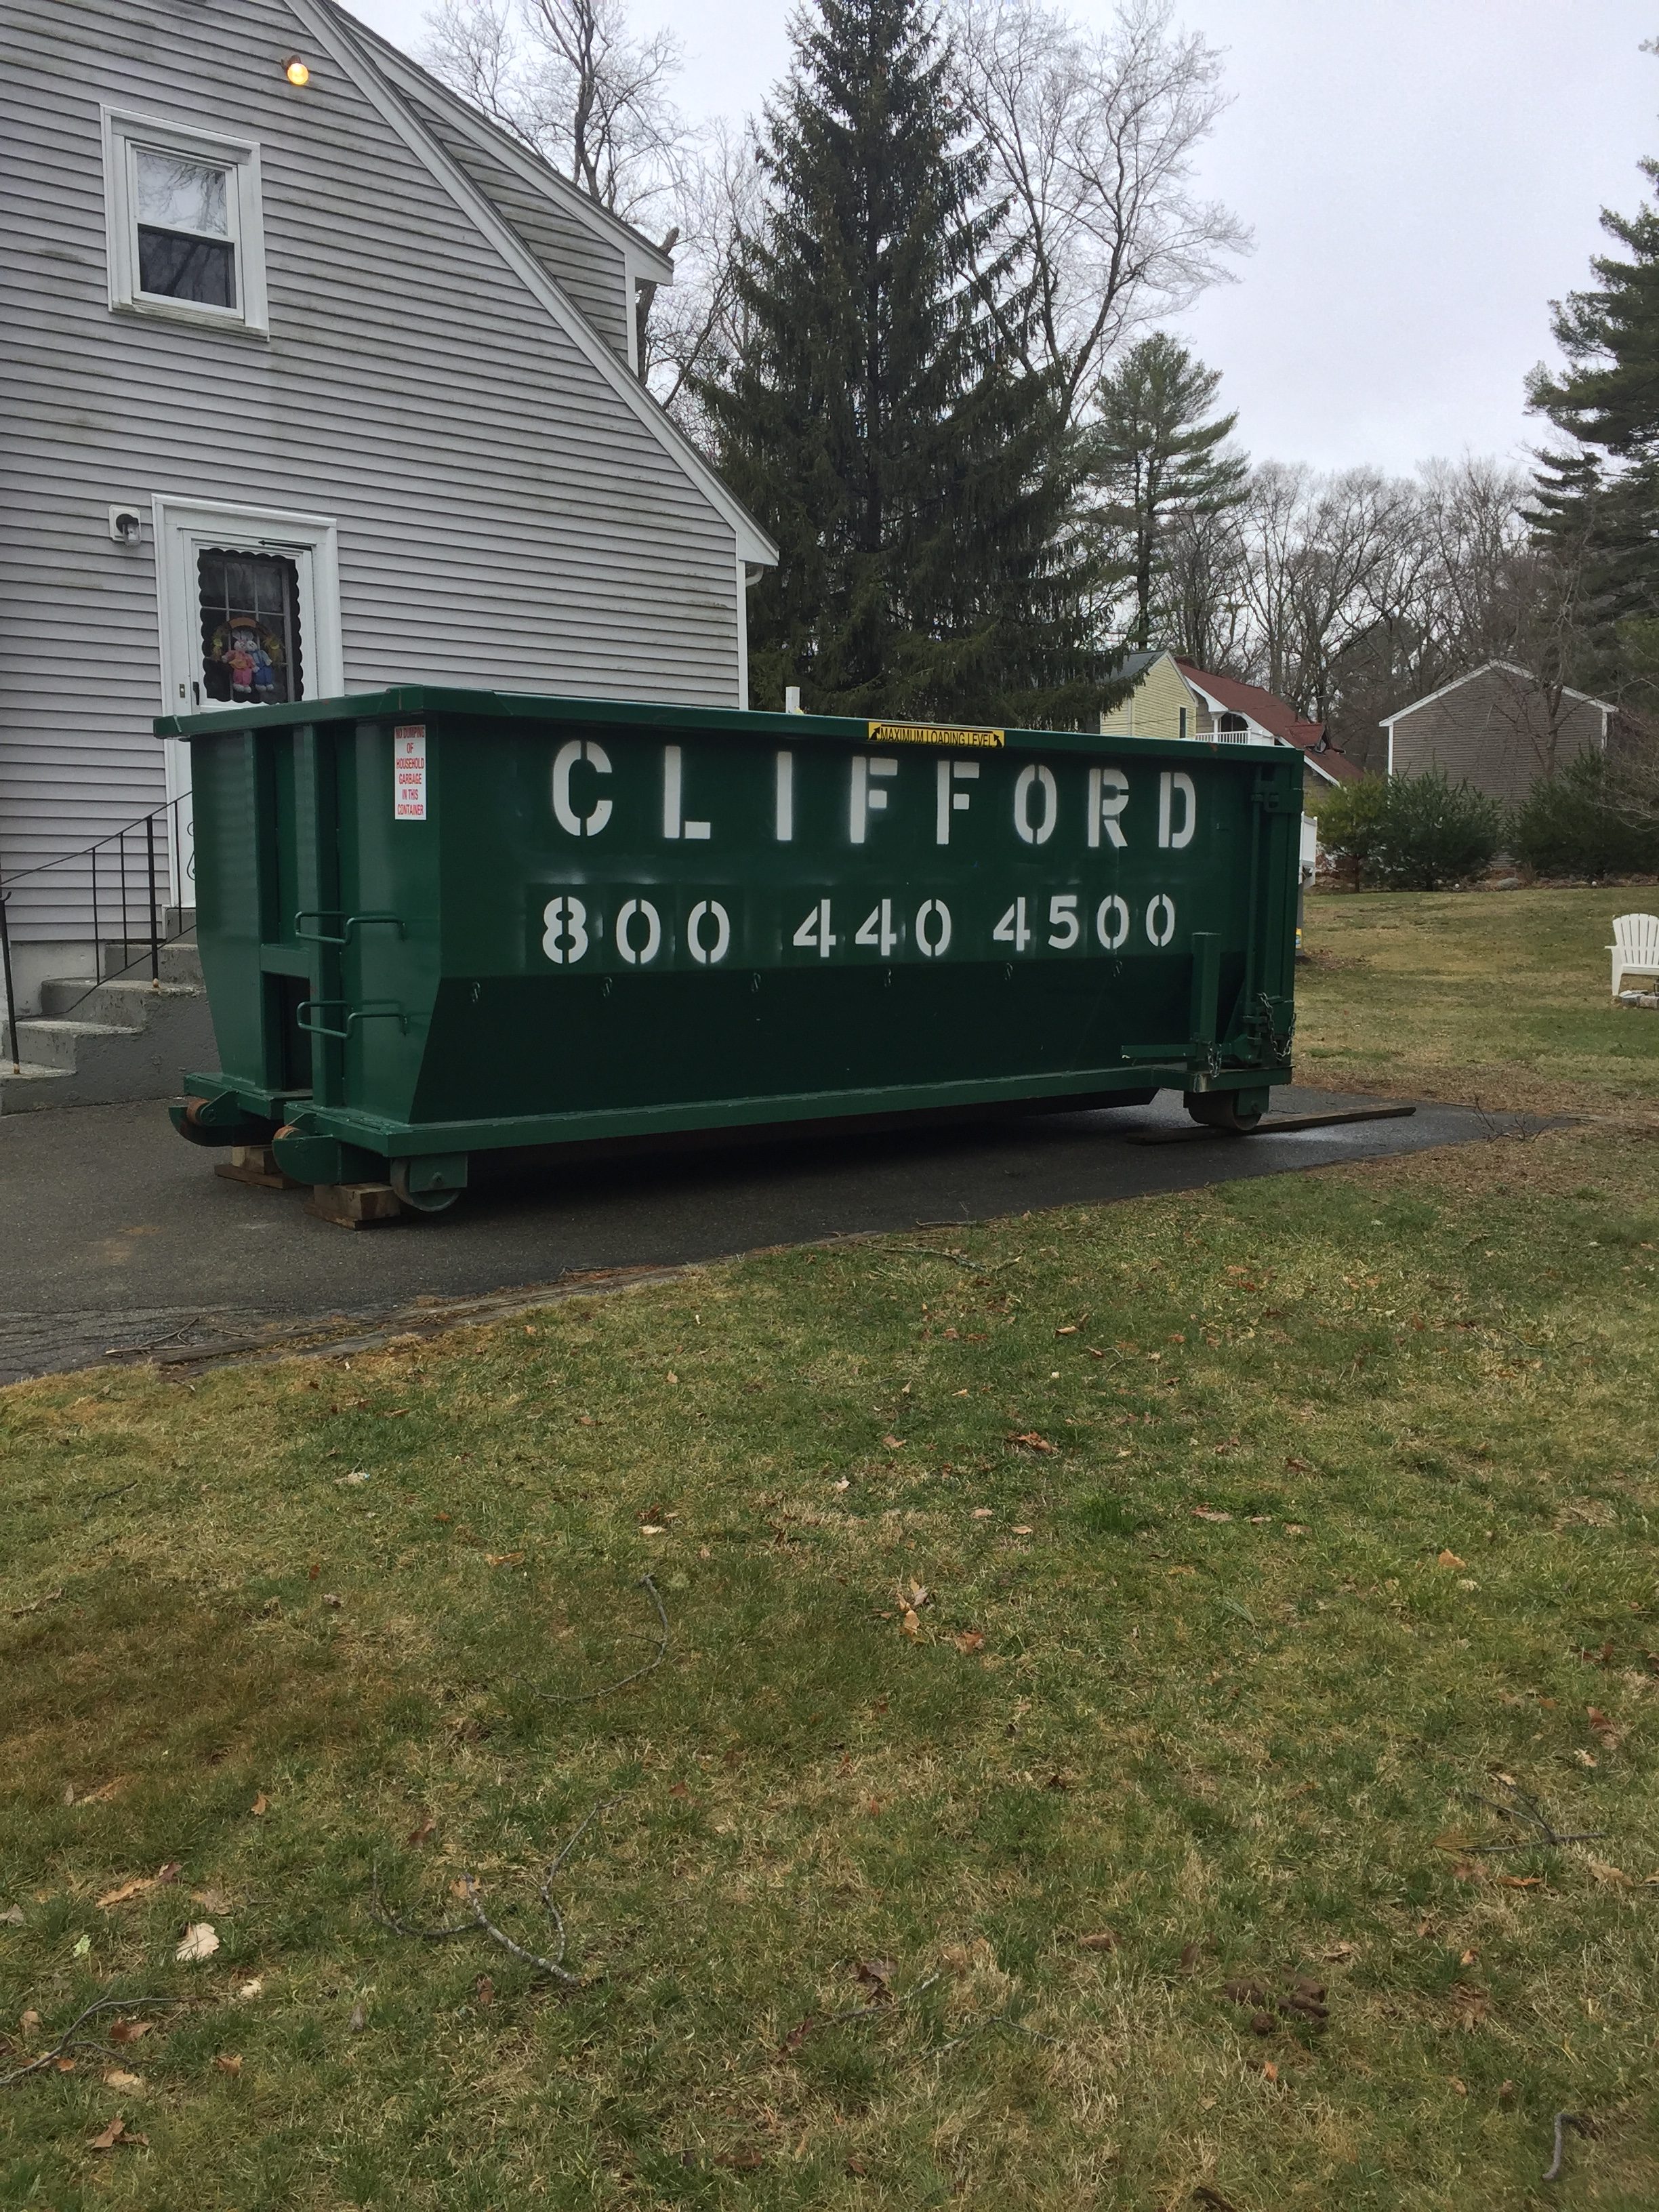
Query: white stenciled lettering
(947, 774)
(785, 798)
(595, 757)
(564, 930)
(863, 802)
(631, 910)
(933, 928)
(707, 910)
(1160, 920)
(1109, 794)
(878, 929)
(814, 934)
(673, 822)
(1040, 781)
(1112, 921)
(1013, 928)
(1175, 785)
(1064, 928)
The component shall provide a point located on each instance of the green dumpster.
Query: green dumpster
(435, 923)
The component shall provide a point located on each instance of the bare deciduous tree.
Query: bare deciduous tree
(573, 82)
(1092, 139)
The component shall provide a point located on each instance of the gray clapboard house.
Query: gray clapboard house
(314, 379)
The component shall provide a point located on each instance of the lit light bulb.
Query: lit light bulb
(296, 71)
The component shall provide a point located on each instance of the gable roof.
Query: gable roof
(1280, 720)
(344, 38)
(1509, 668)
(410, 76)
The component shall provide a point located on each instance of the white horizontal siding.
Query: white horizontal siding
(504, 521)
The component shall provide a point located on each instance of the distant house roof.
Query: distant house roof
(1272, 714)
(1509, 668)
(1134, 664)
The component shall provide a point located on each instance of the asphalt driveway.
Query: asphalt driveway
(116, 1236)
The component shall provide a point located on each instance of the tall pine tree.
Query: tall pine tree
(1153, 458)
(921, 488)
(1598, 496)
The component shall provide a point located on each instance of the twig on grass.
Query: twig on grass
(588, 1697)
(811, 2024)
(554, 1967)
(70, 2041)
(1526, 1809)
(1563, 2122)
(992, 2019)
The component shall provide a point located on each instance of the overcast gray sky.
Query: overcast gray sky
(1422, 176)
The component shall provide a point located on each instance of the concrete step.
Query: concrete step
(179, 962)
(122, 1003)
(55, 1043)
(139, 1048)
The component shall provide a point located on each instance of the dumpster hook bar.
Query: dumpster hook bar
(387, 1009)
(352, 921)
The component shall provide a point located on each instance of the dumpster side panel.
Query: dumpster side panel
(231, 859)
(633, 922)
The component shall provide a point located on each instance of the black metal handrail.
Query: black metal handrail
(133, 888)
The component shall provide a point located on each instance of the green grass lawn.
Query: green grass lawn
(1498, 997)
(1088, 1638)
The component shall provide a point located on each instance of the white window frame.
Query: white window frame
(124, 132)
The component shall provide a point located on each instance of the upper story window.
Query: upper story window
(184, 238)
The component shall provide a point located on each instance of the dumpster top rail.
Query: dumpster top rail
(415, 699)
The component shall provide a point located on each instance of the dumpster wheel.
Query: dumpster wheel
(1219, 1109)
(419, 1201)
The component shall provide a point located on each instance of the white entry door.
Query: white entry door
(250, 616)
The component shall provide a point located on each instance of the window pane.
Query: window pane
(178, 268)
(251, 649)
(177, 193)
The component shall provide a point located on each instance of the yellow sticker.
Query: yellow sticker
(931, 733)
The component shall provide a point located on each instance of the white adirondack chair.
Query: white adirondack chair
(1635, 948)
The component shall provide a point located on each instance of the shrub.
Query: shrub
(1568, 825)
(1411, 832)
(1350, 818)
(1434, 832)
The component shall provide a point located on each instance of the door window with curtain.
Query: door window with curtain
(252, 653)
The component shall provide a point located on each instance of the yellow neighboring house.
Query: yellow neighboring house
(1163, 703)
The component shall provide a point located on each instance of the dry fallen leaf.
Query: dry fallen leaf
(1032, 1441)
(29, 2022)
(1602, 1729)
(260, 1806)
(200, 1941)
(893, 1443)
(1269, 2071)
(1603, 1872)
(484, 1989)
(228, 2061)
(505, 1558)
(1469, 1958)
(13, 1916)
(1209, 1513)
(118, 2078)
(359, 2020)
(1340, 1953)
(652, 1528)
(1020, 1529)
(971, 1639)
(128, 1889)
(910, 1624)
(1521, 1881)
(1451, 1560)
(116, 2133)
(918, 1596)
(217, 1900)
(981, 1513)
(429, 1826)
(1102, 1940)
(249, 1991)
(124, 2031)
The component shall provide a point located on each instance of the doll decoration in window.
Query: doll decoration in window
(243, 663)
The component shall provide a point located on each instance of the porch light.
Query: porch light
(296, 71)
